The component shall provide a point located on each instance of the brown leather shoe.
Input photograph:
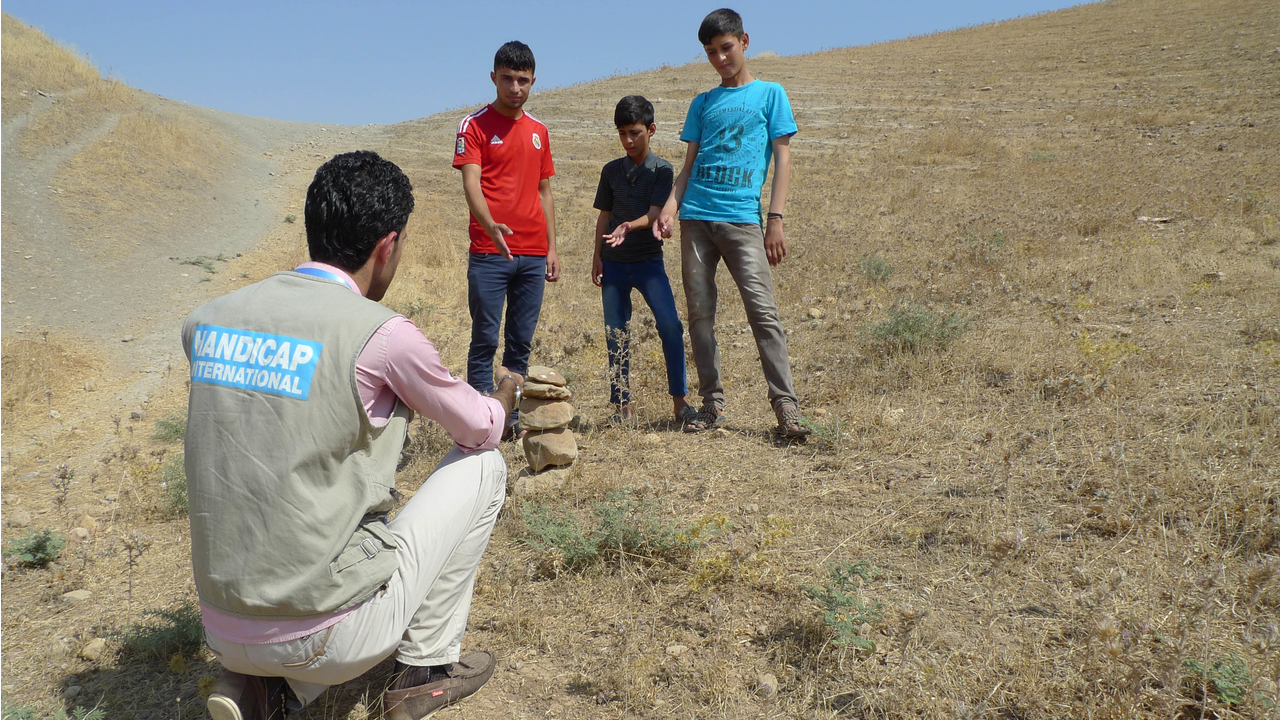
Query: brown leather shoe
(247, 697)
(422, 701)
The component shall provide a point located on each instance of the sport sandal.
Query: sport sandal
(707, 418)
(791, 424)
(466, 676)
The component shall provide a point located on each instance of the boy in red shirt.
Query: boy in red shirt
(505, 158)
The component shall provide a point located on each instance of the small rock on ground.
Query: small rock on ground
(94, 650)
(17, 518)
(766, 685)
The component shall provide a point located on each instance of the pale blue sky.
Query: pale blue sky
(386, 62)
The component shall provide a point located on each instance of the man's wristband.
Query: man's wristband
(519, 391)
(773, 215)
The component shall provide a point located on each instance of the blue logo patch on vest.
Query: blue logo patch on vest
(276, 364)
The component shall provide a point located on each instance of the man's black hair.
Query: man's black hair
(355, 200)
(514, 55)
(720, 22)
(633, 109)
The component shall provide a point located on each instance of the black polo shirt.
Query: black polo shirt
(626, 192)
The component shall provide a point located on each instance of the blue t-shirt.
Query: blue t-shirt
(735, 129)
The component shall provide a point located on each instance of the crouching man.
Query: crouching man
(302, 387)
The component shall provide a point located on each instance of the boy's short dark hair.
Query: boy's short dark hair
(633, 109)
(720, 22)
(514, 55)
(355, 200)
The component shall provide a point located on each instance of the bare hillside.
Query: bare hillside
(1033, 310)
(120, 207)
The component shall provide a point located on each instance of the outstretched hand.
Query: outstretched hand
(615, 238)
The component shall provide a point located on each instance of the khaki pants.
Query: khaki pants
(422, 610)
(703, 243)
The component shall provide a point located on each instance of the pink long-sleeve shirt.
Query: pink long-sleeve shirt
(397, 362)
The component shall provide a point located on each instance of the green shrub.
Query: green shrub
(624, 525)
(559, 532)
(36, 549)
(176, 631)
(631, 526)
(174, 478)
(842, 611)
(171, 428)
(1227, 678)
(875, 268)
(743, 559)
(827, 434)
(16, 712)
(912, 328)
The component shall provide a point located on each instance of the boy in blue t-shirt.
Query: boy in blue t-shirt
(732, 132)
(628, 256)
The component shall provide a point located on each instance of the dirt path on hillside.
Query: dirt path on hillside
(125, 307)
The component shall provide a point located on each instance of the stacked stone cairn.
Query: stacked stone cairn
(545, 413)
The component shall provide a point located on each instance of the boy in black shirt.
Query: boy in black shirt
(632, 192)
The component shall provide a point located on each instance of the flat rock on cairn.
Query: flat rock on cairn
(542, 391)
(538, 414)
(550, 448)
(545, 414)
(545, 375)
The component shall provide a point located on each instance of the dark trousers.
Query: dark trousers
(492, 282)
(650, 278)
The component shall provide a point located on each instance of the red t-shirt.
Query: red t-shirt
(514, 156)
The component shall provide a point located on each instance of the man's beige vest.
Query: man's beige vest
(288, 481)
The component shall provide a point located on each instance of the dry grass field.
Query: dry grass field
(1033, 303)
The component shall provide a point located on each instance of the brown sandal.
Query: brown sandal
(791, 424)
(705, 419)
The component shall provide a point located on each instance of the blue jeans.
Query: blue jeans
(650, 278)
(491, 282)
